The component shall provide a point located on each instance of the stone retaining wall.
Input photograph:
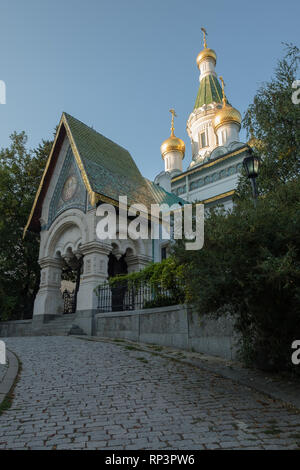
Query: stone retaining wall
(16, 328)
(176, 326)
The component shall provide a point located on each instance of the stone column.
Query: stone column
(95, 261)
(95, 264)
(48, 302)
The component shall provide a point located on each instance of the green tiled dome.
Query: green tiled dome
(210, 91)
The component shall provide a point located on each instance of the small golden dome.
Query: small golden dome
(172, 144)
(206, 52)
(226, 115)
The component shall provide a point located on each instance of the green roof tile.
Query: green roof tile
(161, 196)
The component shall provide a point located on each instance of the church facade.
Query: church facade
(85, 170)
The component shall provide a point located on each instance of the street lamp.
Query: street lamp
(251, 166)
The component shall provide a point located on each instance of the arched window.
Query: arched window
(203, 140)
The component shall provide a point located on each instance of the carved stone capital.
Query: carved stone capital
(95, 247)
(51, 263)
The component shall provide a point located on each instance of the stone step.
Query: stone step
(50, 333)
(57, 324)
(61, 320)
(56, 327)
(61, 326)
(76, 330)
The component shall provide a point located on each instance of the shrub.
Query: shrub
(251, 261)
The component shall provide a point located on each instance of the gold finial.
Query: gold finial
(204, 37)
(223, 90)
(172, 111)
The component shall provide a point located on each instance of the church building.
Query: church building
(86, 169)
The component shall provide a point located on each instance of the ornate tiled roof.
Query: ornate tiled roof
(161, 196)
(209, 91)
(111, 170)
(107, 169)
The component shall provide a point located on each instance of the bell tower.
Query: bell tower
(202, 128)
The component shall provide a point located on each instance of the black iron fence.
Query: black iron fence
(69, 299)
(120, 297)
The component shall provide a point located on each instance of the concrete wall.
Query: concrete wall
(176, 326)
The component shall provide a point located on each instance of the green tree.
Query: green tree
(20, 174)
(272, 122)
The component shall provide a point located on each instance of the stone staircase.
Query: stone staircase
(62, 326)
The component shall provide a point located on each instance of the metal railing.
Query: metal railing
(121, 297)
(69, 299)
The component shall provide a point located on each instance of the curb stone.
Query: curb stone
(10, 375)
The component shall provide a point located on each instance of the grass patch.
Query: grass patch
(156, 348)
(272, 431)
(295, 435)
(155, 354)
(132, 348)
(86, 339)
(197, 420)
(6, 404)
(142, 359)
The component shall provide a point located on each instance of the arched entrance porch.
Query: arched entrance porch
(69, 243)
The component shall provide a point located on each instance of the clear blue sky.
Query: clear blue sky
(120, 65)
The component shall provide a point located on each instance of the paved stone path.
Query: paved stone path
(76, 394)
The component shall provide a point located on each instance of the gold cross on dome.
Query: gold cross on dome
(172, 111)
(204, 36)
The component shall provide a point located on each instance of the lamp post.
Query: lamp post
(251, 166)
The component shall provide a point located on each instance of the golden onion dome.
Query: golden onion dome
(205, 53)
(172, 144)
(227, 115)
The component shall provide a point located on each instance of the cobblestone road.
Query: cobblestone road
(76, 394)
